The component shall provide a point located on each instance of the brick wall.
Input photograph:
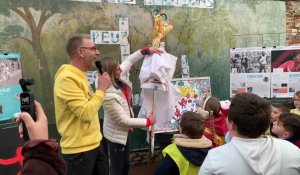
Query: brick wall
(141, 156)
(292, 23)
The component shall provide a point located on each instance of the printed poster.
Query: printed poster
(280, 65)
(285, 84)
(108, 37)
(122, 1)
(286, 59)
(256, 83)
(250, 60)
(182, 3)
(10, 73)
(250, 71)
(285, 71)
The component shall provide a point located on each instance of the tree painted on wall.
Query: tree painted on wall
(27, 11)
(35, 13)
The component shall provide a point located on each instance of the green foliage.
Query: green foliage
(252, 4)
(216, 66)
(204, 31)
(52, 6)
(216, 29)
(14, 30)
(260, 28)
(54, 49)
(185, 30)
(203, 36)
(3, 37)
(3, 8)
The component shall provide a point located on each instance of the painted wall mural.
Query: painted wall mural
(39, 29)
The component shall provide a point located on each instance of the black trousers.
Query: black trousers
(93, 162)
(119, 158)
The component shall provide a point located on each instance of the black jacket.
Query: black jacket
(194, 153)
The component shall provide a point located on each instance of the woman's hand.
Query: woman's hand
(152, 118)
(153, 50)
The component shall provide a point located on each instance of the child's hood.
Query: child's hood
(260, 154)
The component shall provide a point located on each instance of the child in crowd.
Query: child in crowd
(296, 103)
(288, 127)
(276, 109)
(189, 149)
(215, 126)
(250, 152)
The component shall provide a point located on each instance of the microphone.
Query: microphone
(99, 66)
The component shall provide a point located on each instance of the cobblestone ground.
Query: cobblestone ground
(143, 169)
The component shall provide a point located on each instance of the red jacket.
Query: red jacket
(41, 157)
(295, 141)
(290, 66)
(220, 129)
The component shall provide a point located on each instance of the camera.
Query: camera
(27, 103)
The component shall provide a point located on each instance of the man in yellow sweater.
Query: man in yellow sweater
(76, 109)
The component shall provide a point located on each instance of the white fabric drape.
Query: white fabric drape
(161, 69)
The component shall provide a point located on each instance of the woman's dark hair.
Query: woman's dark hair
(291, 56)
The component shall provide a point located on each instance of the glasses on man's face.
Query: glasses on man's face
(92, 48)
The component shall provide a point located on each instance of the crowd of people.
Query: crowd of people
(261, 138)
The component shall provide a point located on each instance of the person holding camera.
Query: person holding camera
(76, 109)
(40, 154)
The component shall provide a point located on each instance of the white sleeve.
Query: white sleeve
(130, 60)
(206, 167)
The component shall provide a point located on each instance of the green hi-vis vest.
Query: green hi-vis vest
(184, 166)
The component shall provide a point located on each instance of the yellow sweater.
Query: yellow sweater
(76, 109)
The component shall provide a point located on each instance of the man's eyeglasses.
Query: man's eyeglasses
(93, 48)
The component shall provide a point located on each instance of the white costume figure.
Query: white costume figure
(158, 68)
(158, 71)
